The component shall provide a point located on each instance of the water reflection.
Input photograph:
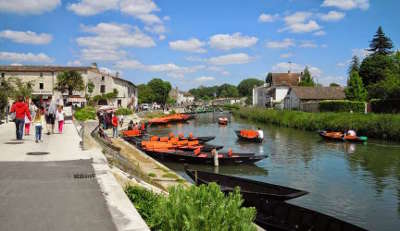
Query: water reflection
(354, 182)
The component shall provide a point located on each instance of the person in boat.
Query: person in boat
(260, 133)
(130, 125)
(351, 133)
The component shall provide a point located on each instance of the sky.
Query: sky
(194, 43)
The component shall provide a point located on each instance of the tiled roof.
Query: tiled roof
(319, 93)
(289, 79)
(17, 68)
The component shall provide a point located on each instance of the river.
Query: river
(358, 183)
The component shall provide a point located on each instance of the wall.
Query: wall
(280, 93)
(291, 101)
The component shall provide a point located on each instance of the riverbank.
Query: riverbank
(379, 126)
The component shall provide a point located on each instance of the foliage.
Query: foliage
(389, 88)
(306, 79)
(145, 201)
(209, 93)
(123, 111)
(145, 94)
(355, 89)
(334, 85)
(381, 44)
(385, 106)
(246, 86)
(382, 126)
(354, 64)
(171, 101)
(69, 81)
(227, 90)
(341, 106)
(86, 113)
(160, 90)
(90, 87)
(231, 107)
(372, 69)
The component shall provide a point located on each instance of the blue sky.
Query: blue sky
(193, 43)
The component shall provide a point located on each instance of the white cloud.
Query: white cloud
(326, 80)
(300, 22)
(284, 44)
(360, 52)
(268, 17)
(319, 33)
(203, 79)
(90, 7)
(169, 69)
(74, 63)
(98, 54)
(191, 45)
(218, 69)
(28, 6)
(166, 18)
(228, 42)
(25, 57)
(332, 16)
(162, 37)
(308, 44)
(27, 37)
(238, 58)
(295, 67)
(286, 55)
(347, 4)
(156, 29)
(141, 9)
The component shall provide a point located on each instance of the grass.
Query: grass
(151, 115)
(86, 113)
(380, 126)
(152, 174)
(169, 175)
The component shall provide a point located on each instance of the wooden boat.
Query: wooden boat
(171, 119)
(339, 136)
(248, 135)
(223, 121)
(201, 139)
(248, 188)
(282, 216)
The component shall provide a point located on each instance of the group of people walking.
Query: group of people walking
(40, 117)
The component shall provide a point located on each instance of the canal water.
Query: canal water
(358, 183)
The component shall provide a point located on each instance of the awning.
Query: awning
(76, 100)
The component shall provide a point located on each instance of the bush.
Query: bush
(85, 113)
(385, 106)
(341, 106)
(371, 125)
(231, 107)
(202, 207)
(123, 111)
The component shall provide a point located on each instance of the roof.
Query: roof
(319, 93)
(290, 79)
(20, 68)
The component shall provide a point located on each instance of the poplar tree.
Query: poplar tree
(306, 79)
(355, 89)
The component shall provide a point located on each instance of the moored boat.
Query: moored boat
(223, 121)
(340, 136)
(249, 135)
(248, 188)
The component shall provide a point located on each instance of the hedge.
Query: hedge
(381, 126)
(341, 106)
(85, 113)
(123, 111)
(385, 106)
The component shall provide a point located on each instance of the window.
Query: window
(119, 102)
(2, 75)
(102, 78)
(41, 74)
(41, 86)
(103, 89)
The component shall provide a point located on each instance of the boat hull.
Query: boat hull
(256, 139)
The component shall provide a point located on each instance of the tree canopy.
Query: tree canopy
(355, 89)
(306, 79)
(381, 44)
(246, 86)
(156, 90)
(70, 81)
(354, 65)
(208, 93)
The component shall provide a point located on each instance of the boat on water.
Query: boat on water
(175, 118)
(340, 136)
(223, 121)
(249, 135)
(248, 188)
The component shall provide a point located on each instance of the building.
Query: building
(276, 87)
(308, 98)
(44, 79)
(182, 98)
(228, 101)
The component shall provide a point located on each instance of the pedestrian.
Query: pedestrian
(51, 116)
(260, 133)
(121, 120)
(114, 122)
(60, 114)
(39, 122)
(27, 125)
(130, 125)
(20, 108)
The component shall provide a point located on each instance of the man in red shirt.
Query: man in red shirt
(114, 122)
(21, 109)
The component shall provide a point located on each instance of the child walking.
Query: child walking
(27, 125)
(60, 117)
(39, 122)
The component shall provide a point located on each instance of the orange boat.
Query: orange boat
(132, 133)
(249, 135)
(171, 119)
(340, 136)
(174, 143)
(223, 121)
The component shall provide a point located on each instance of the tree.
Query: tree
(372, 69)
(160, 90)
(354, 64)
(69, 81)
(90, 87)
(145, 94)
(246, 86)
(355, 89)
(306, 79)
(227, 90)
(389, 88)
(381, 44)
(334, 85)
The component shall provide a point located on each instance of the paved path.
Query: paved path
(38, 192)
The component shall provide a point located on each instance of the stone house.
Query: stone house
(181, 97)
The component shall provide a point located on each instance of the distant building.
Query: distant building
(275, 89)
(182, 98)
(308, 98)
(224, 101)
(44, 80)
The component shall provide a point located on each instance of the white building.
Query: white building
(182, 98)
(44, 79)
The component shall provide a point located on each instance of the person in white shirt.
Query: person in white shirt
(260, 133)
(60, 117)
(351, 133)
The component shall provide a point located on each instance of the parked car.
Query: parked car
(145, 107)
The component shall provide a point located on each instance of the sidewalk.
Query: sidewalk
(40, 192)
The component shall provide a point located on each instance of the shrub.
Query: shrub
(341, 106)
(123, 111)
(385, 106)
(231, 107)
(145, 201)
(86, 113)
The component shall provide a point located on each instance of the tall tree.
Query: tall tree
(381, 44)
(355, 89)
(246, 86)
(145, 94)
(372, 69)
(227, 90)
(334, 85)
(354, 64)
(306, 79)
(160, 89)
(70, 81)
